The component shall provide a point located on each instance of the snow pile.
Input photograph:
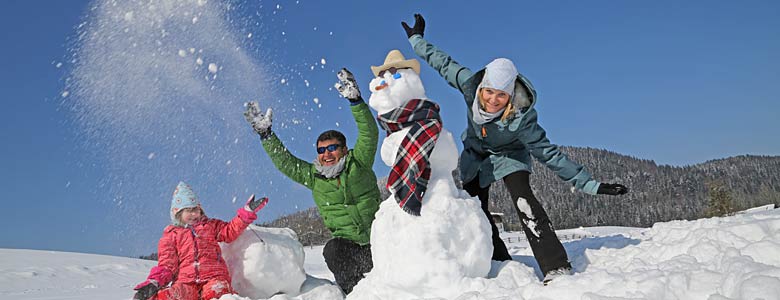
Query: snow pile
(717, 258)
(265, 261)
(433, 254)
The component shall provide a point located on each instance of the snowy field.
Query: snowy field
(735, 257)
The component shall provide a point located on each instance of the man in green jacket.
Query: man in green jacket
(342, 182)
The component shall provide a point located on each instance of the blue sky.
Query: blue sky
(675, 82)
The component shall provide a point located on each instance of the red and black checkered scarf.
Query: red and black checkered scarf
(409, 176)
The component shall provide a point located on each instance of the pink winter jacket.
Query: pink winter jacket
(192, 253)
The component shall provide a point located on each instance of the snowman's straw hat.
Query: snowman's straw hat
(396, 59)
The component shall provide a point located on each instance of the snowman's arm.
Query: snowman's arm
(295, 168)
(368, 135)
(455, 74)
(535, 138)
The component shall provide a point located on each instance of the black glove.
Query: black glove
(347, 86)
(260, 123)
(256, 204)
(612, 189)
(419, 26)
(147, 291)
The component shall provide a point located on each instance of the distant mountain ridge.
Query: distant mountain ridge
(657, 192)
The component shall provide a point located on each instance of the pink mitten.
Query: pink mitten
(158, 277)
(161, 276)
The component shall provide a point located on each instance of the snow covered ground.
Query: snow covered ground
(734, 257)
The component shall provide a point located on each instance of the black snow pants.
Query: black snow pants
(348, 261)
(547, 249)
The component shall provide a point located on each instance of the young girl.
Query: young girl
(502, 135)
(189, 256)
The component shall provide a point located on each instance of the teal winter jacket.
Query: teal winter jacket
(506, 146)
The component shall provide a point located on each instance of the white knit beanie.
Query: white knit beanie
(500, 74)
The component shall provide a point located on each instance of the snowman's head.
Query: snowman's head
(396, 81)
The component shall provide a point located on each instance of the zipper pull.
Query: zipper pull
(484, 131)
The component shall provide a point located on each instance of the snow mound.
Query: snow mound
(266, 261)
(717, 258)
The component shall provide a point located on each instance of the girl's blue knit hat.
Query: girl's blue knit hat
(183, 197)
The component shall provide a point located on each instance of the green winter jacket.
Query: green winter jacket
(348, 202)
(508, 145)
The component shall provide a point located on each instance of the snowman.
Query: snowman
(431, 248)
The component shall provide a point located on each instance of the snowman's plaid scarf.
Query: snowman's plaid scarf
(409, 176)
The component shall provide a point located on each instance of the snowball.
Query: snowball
(182, 53)
(265, 261)
(213, 68)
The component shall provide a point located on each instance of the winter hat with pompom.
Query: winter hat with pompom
(183, 197)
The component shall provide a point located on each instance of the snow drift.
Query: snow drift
(715, 259)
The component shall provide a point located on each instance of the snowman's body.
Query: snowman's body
(431, 254)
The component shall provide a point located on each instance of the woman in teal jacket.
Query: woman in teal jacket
(501, 137)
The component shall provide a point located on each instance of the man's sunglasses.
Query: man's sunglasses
(330, 148)
(392, 70)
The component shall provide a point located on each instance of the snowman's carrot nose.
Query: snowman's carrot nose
(381, 86)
